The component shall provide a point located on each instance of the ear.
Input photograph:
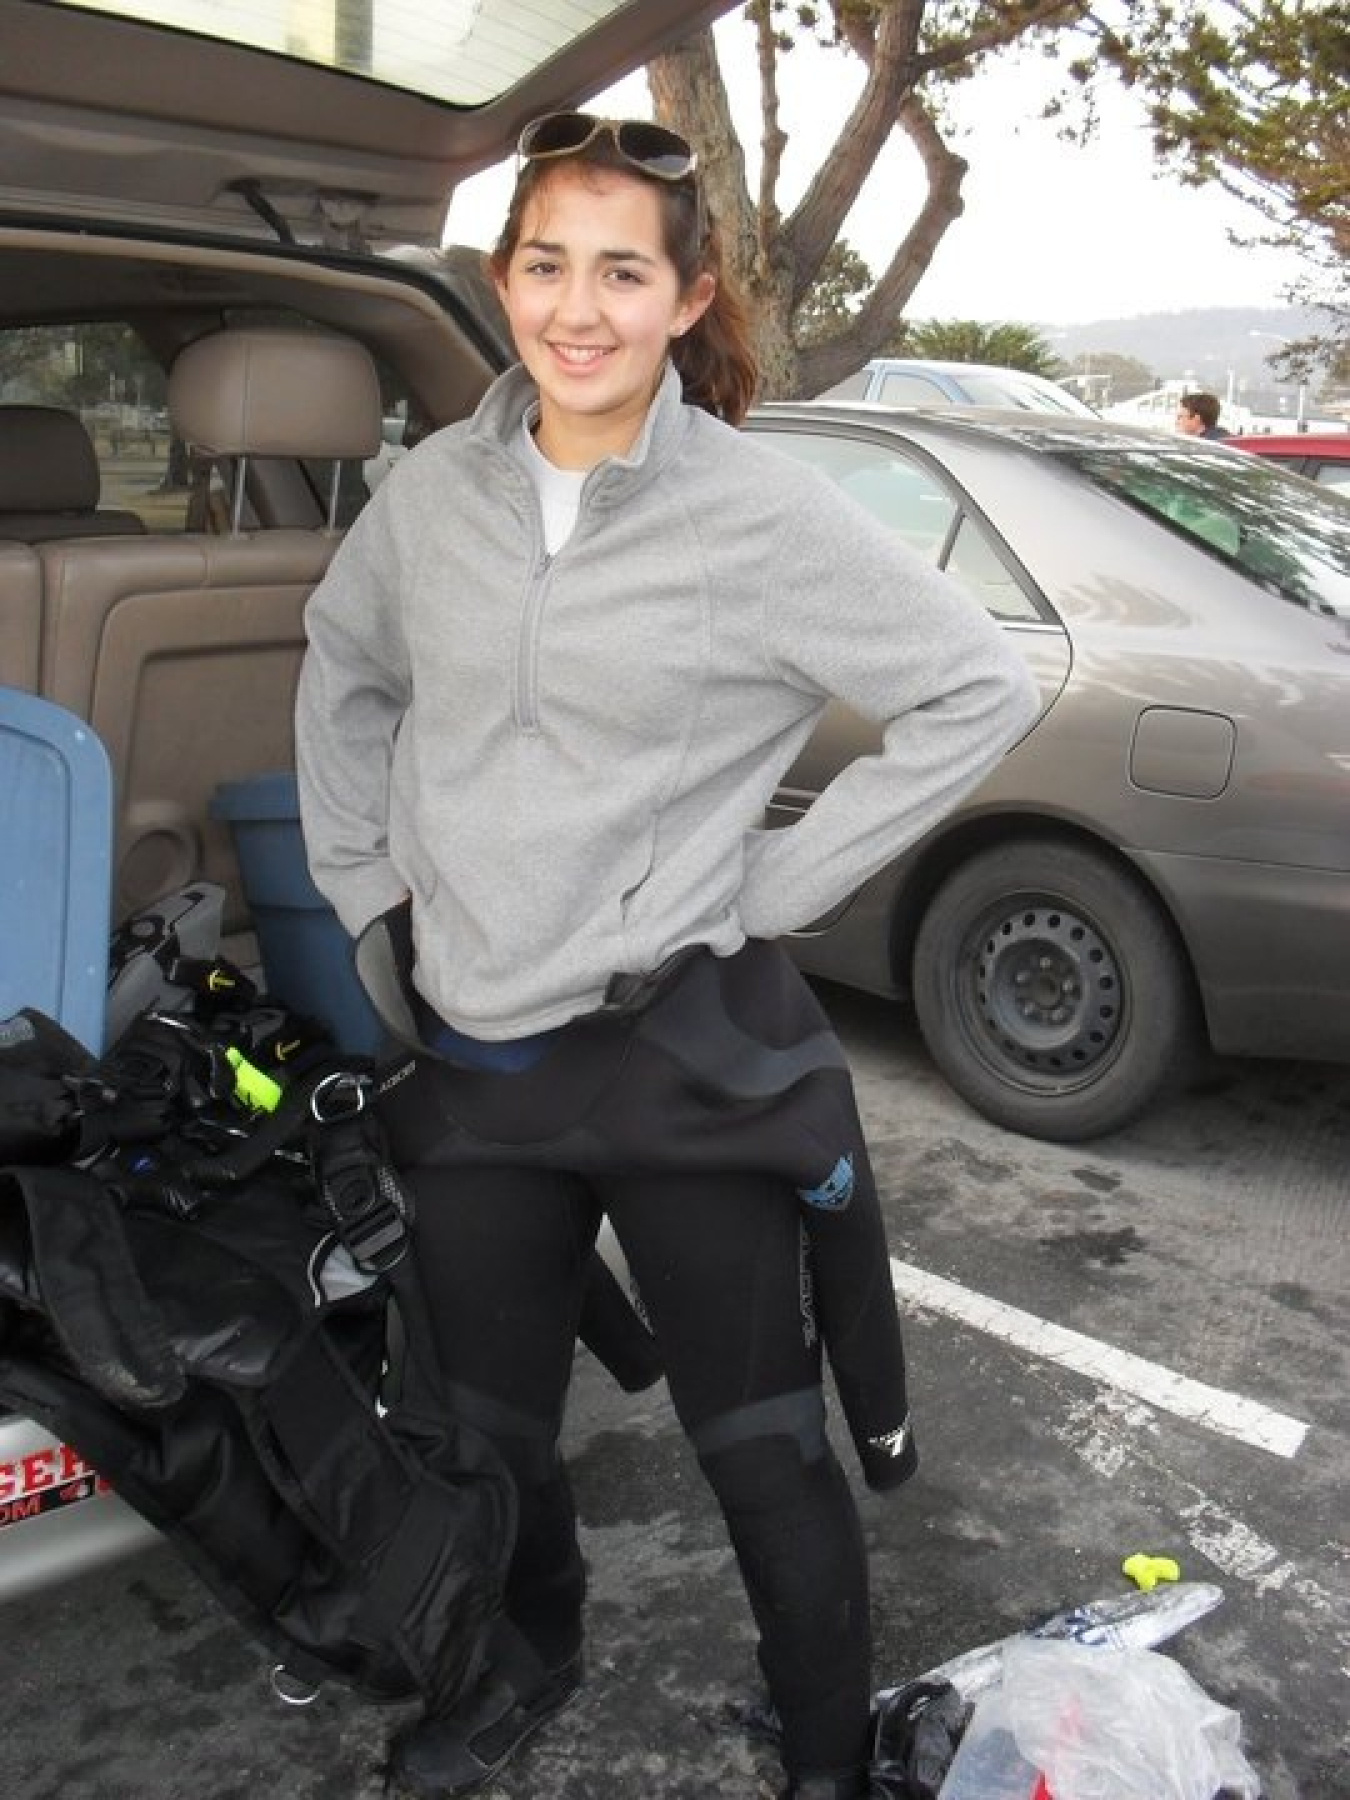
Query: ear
(695, 303)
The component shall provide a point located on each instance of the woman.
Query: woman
(555, 674)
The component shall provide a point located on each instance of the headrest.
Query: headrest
(267, 392)
(47, 462)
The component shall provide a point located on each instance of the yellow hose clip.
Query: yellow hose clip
(253, 1088)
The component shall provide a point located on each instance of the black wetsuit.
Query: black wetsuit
(713, 1119)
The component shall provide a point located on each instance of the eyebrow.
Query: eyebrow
(623, 256)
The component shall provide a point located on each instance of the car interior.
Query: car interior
(163, 604)
(221, 321)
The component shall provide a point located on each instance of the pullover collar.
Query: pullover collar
(498, 418)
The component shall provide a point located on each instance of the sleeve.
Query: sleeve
(355, 687)
(850, 613)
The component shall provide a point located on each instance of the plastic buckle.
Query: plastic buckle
(377, 1244)
(369, 1211)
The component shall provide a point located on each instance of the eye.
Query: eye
(541, 265)
(623, 275)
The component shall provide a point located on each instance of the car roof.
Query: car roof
(957, 378)
(946, 366)
(1335, 444)
(234, 115)
(1033, 431)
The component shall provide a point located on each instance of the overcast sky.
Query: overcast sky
(1050, 234)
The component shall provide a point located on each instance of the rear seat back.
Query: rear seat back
(183, 652)
(20, 617)
(49, 479)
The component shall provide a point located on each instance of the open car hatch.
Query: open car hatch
(339, 122)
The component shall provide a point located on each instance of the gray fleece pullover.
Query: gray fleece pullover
(566, 760)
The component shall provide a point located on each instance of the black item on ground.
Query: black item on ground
(915, 1733)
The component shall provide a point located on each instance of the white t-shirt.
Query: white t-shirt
(559, 491)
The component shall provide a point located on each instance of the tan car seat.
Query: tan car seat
(183, 651)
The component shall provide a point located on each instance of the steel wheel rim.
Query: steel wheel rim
(1042, 993)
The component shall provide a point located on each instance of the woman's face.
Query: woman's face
(593, 302)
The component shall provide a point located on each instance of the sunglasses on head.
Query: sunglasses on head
(651, 148)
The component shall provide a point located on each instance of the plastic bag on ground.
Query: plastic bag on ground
(1121, 1725)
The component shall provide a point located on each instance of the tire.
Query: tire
(1051, 990)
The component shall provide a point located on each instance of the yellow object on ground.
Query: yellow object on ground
(1147, 1571)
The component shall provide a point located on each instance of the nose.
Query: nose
(578, 300)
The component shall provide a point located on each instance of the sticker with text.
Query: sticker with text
(44, 1481)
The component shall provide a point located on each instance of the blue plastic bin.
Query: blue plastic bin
(56, 807)
(306, 955)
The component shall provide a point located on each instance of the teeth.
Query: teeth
(579, 353)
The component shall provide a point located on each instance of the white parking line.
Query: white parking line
(1232, 1414)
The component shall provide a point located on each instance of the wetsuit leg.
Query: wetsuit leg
(720, 1264)
(736, 1066)
(503, 1255)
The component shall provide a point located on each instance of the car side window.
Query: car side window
(1334, 475)
(978, 566)
(102, 374)
(915, 502)
(902, 494)
(906, 498)
(910, 390)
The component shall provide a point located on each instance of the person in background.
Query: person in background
(555, 673)
(1198, 416)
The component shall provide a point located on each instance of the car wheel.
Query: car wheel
(1051, 990)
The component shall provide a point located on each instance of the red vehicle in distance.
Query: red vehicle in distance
(1320, 456)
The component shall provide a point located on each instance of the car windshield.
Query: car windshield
(1007, 390)
(466, 52)
(1284, 533)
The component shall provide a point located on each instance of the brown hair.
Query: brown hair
(714, 357)
(1204, 406)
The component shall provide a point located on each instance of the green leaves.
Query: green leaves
(1010, 345)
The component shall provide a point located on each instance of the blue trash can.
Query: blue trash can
(56, 811)
(306, 955)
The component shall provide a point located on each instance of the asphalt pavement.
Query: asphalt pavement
(1133, 1345)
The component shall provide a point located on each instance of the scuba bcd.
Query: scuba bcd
(197, 1294)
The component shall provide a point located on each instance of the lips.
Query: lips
(580, 356)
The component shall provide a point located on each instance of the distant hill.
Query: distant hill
(1206, 346)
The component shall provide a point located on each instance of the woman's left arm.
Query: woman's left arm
(851, 614)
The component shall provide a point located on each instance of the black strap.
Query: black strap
(163, 1071)
(356, 1180)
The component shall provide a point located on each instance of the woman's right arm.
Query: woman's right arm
(355, 686)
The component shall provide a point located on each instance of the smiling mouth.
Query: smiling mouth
(580, 356)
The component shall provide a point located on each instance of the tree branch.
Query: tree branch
(888, 48)
(1012, 23)
(689, 94)
(773, 139)
(820, 365)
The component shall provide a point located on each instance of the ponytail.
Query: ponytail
(715, 358)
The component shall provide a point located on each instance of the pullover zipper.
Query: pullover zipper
(527, 648)
(532, 614)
